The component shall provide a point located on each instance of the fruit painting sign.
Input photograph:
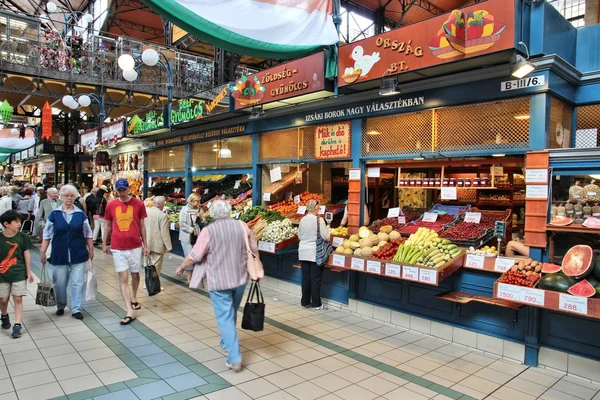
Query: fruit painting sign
(332, 141)
(471, 31)
(295, 78)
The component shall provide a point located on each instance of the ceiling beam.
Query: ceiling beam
(132, 26)
(16, 7)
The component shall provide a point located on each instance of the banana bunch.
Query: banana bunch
(422, 238)
(424, 247)
(440, 252)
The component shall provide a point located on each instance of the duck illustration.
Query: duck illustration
(364, 62)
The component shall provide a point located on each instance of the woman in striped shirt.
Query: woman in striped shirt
(221, 267)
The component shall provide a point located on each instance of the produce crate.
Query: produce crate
(501, 215)
(478, 242)
(391, 269)
(548, 299)
(452, 210)
(273, 248)
(446, 226)
(489, 234)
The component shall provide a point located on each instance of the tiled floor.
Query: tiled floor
(172, 352)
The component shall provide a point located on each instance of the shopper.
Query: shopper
(157, 233)
(15, 196)
(366, 218)
(307, 254)
(38, 197)
(516, 248)
(125, 227)
(15, 269)
(25, 208)
(99, 207)
(5, 200)
(221, 252)
(187, 221)
(47, 206)
(69, 232)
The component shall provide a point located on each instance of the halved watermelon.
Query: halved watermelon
(582, 289)
(561, 221)
(578, 262)
(548, 268)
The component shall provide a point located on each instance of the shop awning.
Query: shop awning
(260, 28)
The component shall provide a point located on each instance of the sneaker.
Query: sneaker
(320, 308)
(60, 311)
(5, 321)
(236, 366)
(306, 306)
(77, 315)
(16, 331)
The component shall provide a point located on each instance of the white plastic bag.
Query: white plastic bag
(91, 284)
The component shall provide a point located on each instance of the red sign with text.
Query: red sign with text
(332, 141)
(471, 31)
(47, 122)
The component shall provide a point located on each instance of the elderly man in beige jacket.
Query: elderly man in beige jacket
(157, 232)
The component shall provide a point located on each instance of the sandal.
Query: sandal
(136, 306)
(127, 320)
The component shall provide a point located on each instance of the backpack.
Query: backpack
(77, 203)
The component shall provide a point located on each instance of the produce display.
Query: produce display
(284, 182)
(291, 207)
(520, 278)
(339, 231)
(386, 225)
(366, 242)
(561, 221)
(388, 250)
(279, 231)
(437, 226)
(425, 248)
(210, 178)
(488, 251)
(578, 262)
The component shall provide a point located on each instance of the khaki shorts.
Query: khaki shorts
(8, 289)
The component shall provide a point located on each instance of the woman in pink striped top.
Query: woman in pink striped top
(221, 258)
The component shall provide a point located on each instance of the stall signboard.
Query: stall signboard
(31, 152)
(332, 141)
(47, 122)
(212, 134)
(469, 32)
(295, 78)
(89, 138)
(46, 168)
(187, 110)
(51, 148)
(113, 132)
(151, 121)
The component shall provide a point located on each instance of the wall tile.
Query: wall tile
(490, 344)
(514, 351)
(382, 314)
(553, 359)
(584, 367)
(441, 331)
(420, 324)
(352, 305)
(365, 309)
(400, 319)
(464, 337)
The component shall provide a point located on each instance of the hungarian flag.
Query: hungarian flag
(259, 28)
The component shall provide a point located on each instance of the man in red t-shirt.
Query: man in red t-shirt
(125, 226)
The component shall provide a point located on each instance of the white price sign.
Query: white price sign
(532, 296)
(474, 261)
(410, 273)
(357, 264)
(237, 184)
(209, 204)
(374, 172)
(430, 217)
(402, 219)
(296, 199)
(374, 267)
(536, 176)
(266, 196)
(267, 247)
(392, 270)
(449, 193)
(338, 261)
(205, 191)
(322, 210)
(473, 217)
(393, 212)
(337, 241)
(428, 276)
(536, 192)
(275, 174)
(575, 304)
(509, 292)
(301, 210)
(503, 264)
(172, 226)
(354, 175)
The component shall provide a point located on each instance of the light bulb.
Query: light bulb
(51, 7)
(130, 75)
(84, 100)
(88, 18)
(150, 57)
(126, 62)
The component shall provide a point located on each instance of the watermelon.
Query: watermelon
(561, 221)
(596, 271)
(556, 282)
(582, 289)
(578, 262)
(593, 281)
(597, 287)
(548, 268)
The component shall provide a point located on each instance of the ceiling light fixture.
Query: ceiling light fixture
(256, 112)
(224, 152)
(418, 158)
(498, 155)
(522, 117)
(373, 133)
(388, 87)
(520, 66)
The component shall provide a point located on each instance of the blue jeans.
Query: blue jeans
(62, 274)
(226, 304)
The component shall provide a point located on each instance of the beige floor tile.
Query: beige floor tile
(4, 373)
(206, 355)
(411, 370)
(355, 392)
(553, 394)
(258, 388)
(27, 367)
(313, 354)
(465, 366)
(23, 356)
(291, 346)
(72, 371)
(89, 345)
(288, 361)
(469, 392)
(331, 382)
(330, 364)
(279, 395)
(450, 374)
(53, 341)
(423, 364)
(377, 347)
(403, 393)
(441, 397)
(96, 354)
(478, 358)
(251, 357)
(541, 376)
(306, 391)
(572, 388)
(285, 379)
(354, 374)
(12, 347)
(263, 368)
(494, 375)
(308, 371)
(506, 393)
(377, 385)
(6, 386)
(439, 380)
(270, 352)
(217, 365)
(58, 350)
(228, 394)
(254, 343)
(31, 380)
(527, 386)
(106, 364)
(479, 384)
(50, 390)
(236, 378)
(453, 350)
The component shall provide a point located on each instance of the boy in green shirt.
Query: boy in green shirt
(15, 268)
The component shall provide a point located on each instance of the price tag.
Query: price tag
(374, 267)
(536, 192)
(354, 175)
(275, 174)
(322, 210)
(392, 270)
(237, 184)
(575, 304)
(267, 247)
(266, 196)
(393, 212)
(536, 176)
(428, 276)
(448, 193)
(402, 219)
(172, 226)
(474, 261)
(410, 273)
(357, 264)
(509, 292)
(430, 217)
(374, 172)
(473, 217)
(338, 261)
(503, 264)
(337, 241)
(532, 296)
(205, 191)
(301, 210)
(209, 204)
(297, 199)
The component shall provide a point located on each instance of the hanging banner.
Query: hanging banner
(89, 138)
(306, 75)
(332, 141)
(150, 122)
(186, 110)
(47, 122)
(113, 132)
(469, 32)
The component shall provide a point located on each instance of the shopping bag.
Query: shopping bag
(91, 284)
(324, 248)
(254, 312)
(45, 291)
(152, 279)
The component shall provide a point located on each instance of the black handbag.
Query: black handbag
(152, 279)
(254, 313)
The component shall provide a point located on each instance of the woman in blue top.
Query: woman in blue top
(69, 231)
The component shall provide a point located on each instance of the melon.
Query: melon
(394, 235)
(597, 287)
(354, 238)
(578, 262)
(374, 240)
(357, 252)
(383, 236)
(346, 244)
(556, 282)
(375, 249)
(340, 250)
(365, 243)
(386, 229)
(582, 289)
(364, 232)
(348, 252)
(354, 245)
(367, 252)
(548, 268)
(381, 244)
